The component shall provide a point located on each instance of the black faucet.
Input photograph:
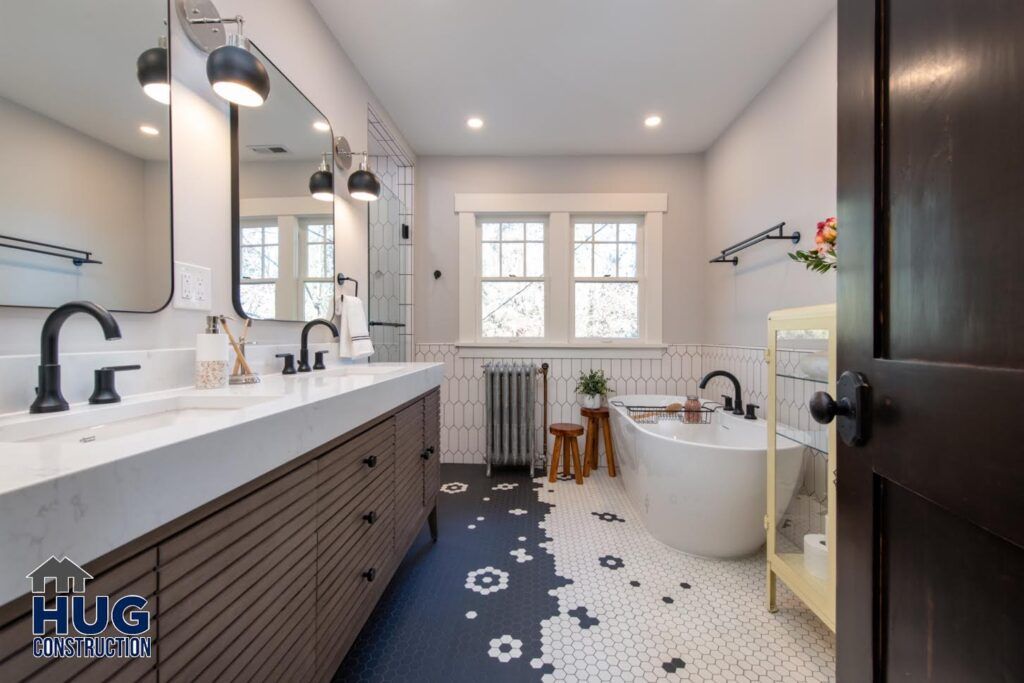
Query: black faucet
(304, 349)
(737, 408)
(49, 398)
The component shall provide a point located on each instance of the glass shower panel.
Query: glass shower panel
(390, 281)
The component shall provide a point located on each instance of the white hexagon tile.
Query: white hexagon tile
(636, 610)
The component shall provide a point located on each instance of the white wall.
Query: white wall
(42, 197)
(776, 162)
(291, 33)
(439, 178)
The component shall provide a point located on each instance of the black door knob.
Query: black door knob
(824, 408)
(851, 408)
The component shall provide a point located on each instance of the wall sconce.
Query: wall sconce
(235, 73)
(151, 70)
(363, 184)
(321, 183)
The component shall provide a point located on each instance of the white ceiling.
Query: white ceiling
(568, 76)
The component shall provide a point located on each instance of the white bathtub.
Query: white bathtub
(701, 488)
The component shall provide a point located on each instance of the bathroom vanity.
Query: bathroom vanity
(262, 535)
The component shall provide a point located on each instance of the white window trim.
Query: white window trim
(480, 279)
(559, 208)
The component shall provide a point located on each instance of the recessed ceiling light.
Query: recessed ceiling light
(652, 121)
(475, 122)
(322, 126)
(149, 130)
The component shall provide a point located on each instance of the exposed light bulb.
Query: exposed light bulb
(475, 122)
(652, 121)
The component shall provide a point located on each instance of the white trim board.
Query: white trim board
(582, 202)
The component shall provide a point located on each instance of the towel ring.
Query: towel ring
(342, 280)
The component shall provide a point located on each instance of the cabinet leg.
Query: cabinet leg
(770, 592)
(432, 523)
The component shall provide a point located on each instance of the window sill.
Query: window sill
(510, 349)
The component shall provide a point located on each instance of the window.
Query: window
(512, 287)
(260, 250)
(540, 270)
(606, 282)
(317, 254)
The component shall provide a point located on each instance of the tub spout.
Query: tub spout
(737, 401)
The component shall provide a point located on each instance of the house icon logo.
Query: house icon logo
(68, 576)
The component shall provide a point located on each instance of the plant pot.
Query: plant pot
(590, 401)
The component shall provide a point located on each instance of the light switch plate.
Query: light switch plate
(192, 287)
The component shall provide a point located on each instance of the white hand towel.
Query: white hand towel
(355, 336)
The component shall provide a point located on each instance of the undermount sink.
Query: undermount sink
(103, 423)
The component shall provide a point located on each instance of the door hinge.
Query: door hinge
(766, 522)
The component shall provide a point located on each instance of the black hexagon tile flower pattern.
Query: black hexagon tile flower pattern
(539, 596)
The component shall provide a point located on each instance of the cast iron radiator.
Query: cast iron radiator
(510, 413)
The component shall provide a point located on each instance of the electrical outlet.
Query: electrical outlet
(193, 287)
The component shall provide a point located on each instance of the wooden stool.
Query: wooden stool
(597, 421)
(566, 446)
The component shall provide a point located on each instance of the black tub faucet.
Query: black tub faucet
(49, 398)
(737, 407)
(304, 349)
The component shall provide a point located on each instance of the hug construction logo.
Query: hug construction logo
(68, 626)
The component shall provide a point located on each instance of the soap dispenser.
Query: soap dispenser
(211, 356)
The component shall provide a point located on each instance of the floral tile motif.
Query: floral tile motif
(506, 648)
(487, 580)
(608, 517)
(454, 487)
(517, 511)
(505, 486)
(611, 562)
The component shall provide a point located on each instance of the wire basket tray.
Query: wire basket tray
(654, 414)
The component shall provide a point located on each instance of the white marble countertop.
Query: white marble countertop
(82, 500)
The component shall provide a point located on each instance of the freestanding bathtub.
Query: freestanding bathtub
(700, 488)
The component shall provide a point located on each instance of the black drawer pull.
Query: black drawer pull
(370, 575)
(370, 461)
(370, 517)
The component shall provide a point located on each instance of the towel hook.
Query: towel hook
(342, 279)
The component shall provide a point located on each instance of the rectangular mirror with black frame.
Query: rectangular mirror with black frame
(283, 242)
(85, 167)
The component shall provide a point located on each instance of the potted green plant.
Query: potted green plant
(592, 387)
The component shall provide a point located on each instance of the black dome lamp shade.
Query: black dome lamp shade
(151, 70)
(321, 183)
(363, 184)
(236, 74)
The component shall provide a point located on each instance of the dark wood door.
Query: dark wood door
(931, 309)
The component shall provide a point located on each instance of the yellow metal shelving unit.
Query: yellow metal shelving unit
(795, 506)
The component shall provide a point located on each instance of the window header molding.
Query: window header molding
(596, 203)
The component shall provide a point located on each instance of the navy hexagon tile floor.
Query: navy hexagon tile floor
(531, 581)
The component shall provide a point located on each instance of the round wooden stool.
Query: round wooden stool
(566, 446)
(597, 421)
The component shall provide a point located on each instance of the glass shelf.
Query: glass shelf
(802, 379)
(817, 441)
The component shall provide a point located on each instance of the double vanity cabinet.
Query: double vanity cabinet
(274, 579)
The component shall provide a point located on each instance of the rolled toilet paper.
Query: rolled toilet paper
(816, 555)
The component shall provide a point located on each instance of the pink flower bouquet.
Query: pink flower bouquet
(823, 257)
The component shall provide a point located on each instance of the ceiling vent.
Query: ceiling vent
(269, 149)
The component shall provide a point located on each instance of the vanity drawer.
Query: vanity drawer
(345, 585)
(352, 466)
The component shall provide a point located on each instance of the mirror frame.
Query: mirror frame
(170, 190)
(236, 226)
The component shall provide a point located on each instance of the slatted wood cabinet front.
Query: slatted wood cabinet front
(271, 582)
